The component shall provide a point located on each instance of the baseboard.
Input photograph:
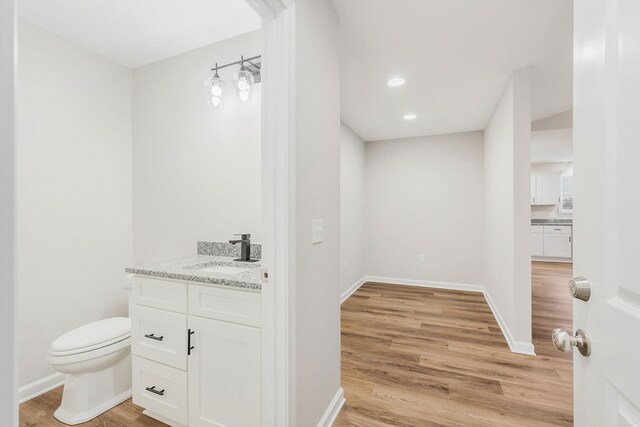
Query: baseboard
(426, 284)
(521, 347)
(330, 415)
(41, 386)
(346, 294)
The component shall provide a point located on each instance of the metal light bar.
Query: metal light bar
(236, 63)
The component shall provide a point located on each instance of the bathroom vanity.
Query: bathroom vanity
(196, 339)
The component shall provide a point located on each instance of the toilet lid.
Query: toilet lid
(93, 335)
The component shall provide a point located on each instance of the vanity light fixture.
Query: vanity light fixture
(243, 81)
(214, 87)
(395, 82)
(409, 116)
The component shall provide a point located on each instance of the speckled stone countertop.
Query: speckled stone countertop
(551, 221)
(194, 269)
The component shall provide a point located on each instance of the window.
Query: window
(566, 191)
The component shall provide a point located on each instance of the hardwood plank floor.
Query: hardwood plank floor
(428, 357)
(38, 412)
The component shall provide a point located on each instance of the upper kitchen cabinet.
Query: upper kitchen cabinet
(545, 188)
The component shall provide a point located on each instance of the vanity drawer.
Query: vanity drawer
(160, 389)
(537, 229)
(557, 229)
(159, 335)
(229, 305)
(159, 293)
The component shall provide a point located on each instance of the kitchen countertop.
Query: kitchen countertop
(193, 269)
(551, 222)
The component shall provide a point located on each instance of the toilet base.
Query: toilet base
(73, 418)
(95, 386)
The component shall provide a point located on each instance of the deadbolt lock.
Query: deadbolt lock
(580, 288)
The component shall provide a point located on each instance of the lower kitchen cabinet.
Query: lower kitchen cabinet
(224, 374)
(557, 245)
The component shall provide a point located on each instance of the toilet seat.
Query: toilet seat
(92, 340)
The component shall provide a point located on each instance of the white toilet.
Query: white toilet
(96, 359)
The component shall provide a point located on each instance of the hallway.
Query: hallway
(429, 357)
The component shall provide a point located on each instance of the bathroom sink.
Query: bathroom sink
(223, 269)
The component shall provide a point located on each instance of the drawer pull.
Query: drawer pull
(153, 337)
(153, 390)
(189, 346)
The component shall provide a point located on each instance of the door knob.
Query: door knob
(580, 288)
(563, 341)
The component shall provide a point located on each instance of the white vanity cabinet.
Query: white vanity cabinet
(196, 353)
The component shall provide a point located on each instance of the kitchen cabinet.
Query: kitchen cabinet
(552, 241)
(546, 188)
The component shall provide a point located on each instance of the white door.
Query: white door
(607, 209)
(224, 374)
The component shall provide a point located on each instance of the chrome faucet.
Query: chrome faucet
(245, 246)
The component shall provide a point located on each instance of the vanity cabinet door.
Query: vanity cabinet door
(224, 374)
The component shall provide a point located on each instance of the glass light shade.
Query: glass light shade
(242, 83)
(214, 86)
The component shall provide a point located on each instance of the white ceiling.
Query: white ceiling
(552, 146)
(456, 57)
(139, 32)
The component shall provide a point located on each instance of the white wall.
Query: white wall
(507, 145)
(74, 191)
(196, 169)
(317, 196)
(352, 208)
(425, 196)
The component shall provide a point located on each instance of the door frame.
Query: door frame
(8, 359)
(278, 165)
(278, 210)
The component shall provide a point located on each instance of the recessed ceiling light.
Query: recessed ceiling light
(409, 116)
(395, 82)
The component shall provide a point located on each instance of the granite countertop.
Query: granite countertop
(202, 269)
(554, 221)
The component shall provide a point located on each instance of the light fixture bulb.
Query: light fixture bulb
(395, 82)
(242, 84)
(244, 95)
(409, 116)
(216, 89)
(215, 101)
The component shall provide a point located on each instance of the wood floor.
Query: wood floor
(426, 357)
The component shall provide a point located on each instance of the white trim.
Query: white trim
(426, 283)
(41, 386)
(346, 294)
(8, 290)
(278, 203)
(520, 347)
(330, 415)
(551, 259)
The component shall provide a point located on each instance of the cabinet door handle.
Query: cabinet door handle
(189, 346)
(153, 390)
(153, 337)
(558, 229)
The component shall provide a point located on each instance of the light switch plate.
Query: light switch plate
(421, 258)
(317, 229)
